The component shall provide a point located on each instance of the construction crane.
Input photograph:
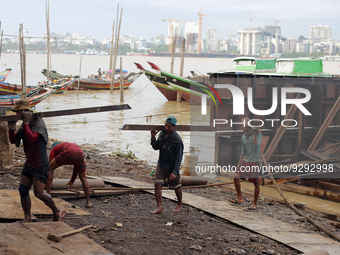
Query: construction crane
(276, 20)
(200, 14)
(171, 29)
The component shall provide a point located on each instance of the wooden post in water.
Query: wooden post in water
(179, 97)
(47, 9)
(22, 61)
(111, 51)
(2, 34)
(174, 38)
(79, 74)
(116, 47)
(121, 82)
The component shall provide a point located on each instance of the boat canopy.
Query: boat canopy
(265, 63)
(299, 65)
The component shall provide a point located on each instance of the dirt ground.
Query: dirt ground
(124, 224)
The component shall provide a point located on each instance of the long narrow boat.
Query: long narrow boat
(61, 85)
(190, 90)
(34, 98)
(58, 87)
(10, 88)
(4, 74)
(89, 84)
(160, 83)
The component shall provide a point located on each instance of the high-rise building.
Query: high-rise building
(191, 34)
(211, 38)
(272, 30)
(320, 33)
(290, 45)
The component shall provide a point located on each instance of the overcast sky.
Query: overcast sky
(143, 18)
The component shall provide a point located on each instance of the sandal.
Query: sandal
(62, 216)
(234, 201)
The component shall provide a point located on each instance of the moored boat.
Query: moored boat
(94, 84)
(34, 97)
(160, 83)
(57, 87)
(4, 74)
(190, 90)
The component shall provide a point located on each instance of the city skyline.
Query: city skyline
(144, 18)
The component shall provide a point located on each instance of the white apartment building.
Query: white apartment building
(211, 39)
(320, 33)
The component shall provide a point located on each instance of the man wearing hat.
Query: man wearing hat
(33, 133)
(170, 146)
(69, 154)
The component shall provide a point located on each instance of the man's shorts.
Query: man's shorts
(40, 173)
(250, 170)
(162, 174)
(72, 158)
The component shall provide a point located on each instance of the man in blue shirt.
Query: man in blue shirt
(248, 165)
(170, 146)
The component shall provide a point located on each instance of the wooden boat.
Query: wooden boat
(190, 90)
(57, 87)
(34, 97)
(60, 85)
(160, 83)
(4, 74)
(94, 84)
(12, 89)
(53, 75)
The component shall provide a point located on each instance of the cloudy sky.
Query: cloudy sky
(143, 18)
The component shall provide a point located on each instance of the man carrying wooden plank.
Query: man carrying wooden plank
(248, 165)
(170, 146)
(69, 154)
(33, 132)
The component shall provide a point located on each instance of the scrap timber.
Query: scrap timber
(291, 235)
(31, 238)
(11, 209)
(69, 112)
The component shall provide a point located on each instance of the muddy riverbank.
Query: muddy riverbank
(189, 232)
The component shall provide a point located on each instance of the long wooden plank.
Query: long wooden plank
(280, 132)
(325, 125)
(31, 238)
(70, 112)
(161, 127)
(293, 236)
(11, 206)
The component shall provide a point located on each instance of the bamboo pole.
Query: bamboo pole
(79, 74)
(325, 125)
(121, 82)
(111, 50)
(179, 97)
(22, 61)
(47, 8)
(116, 48)
(2, 35)
(291, 205)
(174, 38)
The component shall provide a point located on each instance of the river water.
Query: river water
(102, 129)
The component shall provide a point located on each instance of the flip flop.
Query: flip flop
(234, 201)
(62, 216)
(250, 209)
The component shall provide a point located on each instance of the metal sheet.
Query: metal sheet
(31, 238)
(291, 235)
